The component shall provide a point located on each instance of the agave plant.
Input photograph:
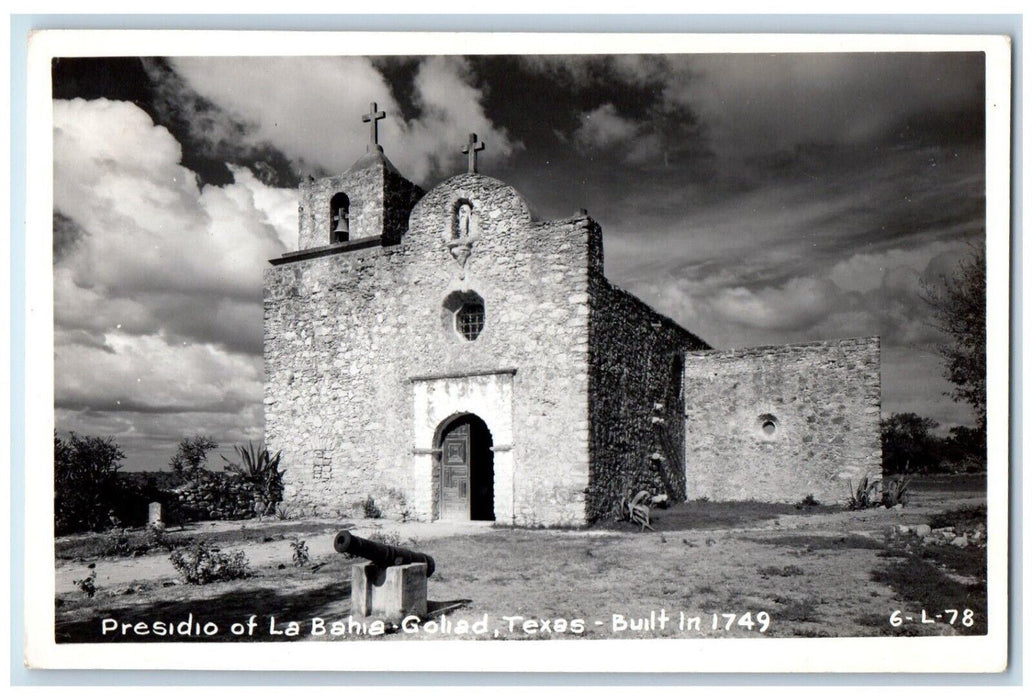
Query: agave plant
(896, 492)
(864, 495)
(262, 471)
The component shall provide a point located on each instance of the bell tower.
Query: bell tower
(371, 201)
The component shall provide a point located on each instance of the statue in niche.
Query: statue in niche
(463, 221)
(463, 231)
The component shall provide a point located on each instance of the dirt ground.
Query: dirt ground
(760, 571)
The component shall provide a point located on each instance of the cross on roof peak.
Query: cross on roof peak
(373, 117)
(470, 148)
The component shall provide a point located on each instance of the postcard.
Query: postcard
(518, 352)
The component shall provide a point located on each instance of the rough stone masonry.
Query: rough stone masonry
(451, 357)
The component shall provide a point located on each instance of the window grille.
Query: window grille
(470, 320)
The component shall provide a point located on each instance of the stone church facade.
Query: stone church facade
(454, 358)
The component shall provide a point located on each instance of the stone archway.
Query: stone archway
(466, 469)
(440, 400)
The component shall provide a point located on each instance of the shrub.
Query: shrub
(117, 543)
(299, 553)
(262, 471)
(809, 500)
(157, 537)
(370, 509)
(201, 563)
(88, 584)
(864, 495)
(192, 454)
(85, 488)
(284, 513)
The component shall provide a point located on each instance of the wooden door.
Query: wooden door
(455, 474)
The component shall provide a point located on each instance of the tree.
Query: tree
(908, 445)
(958, 304)
(192, 454)
(85, 481)
(965, 449)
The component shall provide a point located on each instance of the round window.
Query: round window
(768, 425)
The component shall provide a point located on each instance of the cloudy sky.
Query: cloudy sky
(756, 199)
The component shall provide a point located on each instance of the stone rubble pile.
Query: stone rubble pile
(952, 535)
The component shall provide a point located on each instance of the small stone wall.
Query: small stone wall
(211, 496)
(783, 422)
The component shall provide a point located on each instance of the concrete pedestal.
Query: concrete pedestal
(389, 594)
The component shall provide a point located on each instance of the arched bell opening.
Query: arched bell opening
(339, 219)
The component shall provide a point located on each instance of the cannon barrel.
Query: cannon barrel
(383, 555)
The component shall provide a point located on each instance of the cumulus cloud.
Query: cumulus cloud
(864, 272)
(796, 304)
(602, 127)
(309, 108)
(157, 299)
(149, 374)
(148, 224)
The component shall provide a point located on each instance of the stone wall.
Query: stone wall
(783, 422)
(210, 496)
(635, 400)
(347, 333)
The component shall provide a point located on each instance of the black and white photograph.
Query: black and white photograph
(435, 340)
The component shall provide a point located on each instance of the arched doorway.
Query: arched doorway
(467, 472)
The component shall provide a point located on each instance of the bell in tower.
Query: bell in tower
(339, 218)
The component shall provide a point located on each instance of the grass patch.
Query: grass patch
(882, 624)
(115, 543)
(961, 519)
(790, 570)
(926, 585)
(799, 611)
(819, 542)
(951, 483)
(968, 561)
(717, 515)
(138, 540)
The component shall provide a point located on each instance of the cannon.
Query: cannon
(392, 585)
(383, 555)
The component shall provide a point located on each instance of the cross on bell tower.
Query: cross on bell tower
(373, 117)
(470, 148)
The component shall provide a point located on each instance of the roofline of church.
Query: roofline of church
(332, 249)
(856, 340)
